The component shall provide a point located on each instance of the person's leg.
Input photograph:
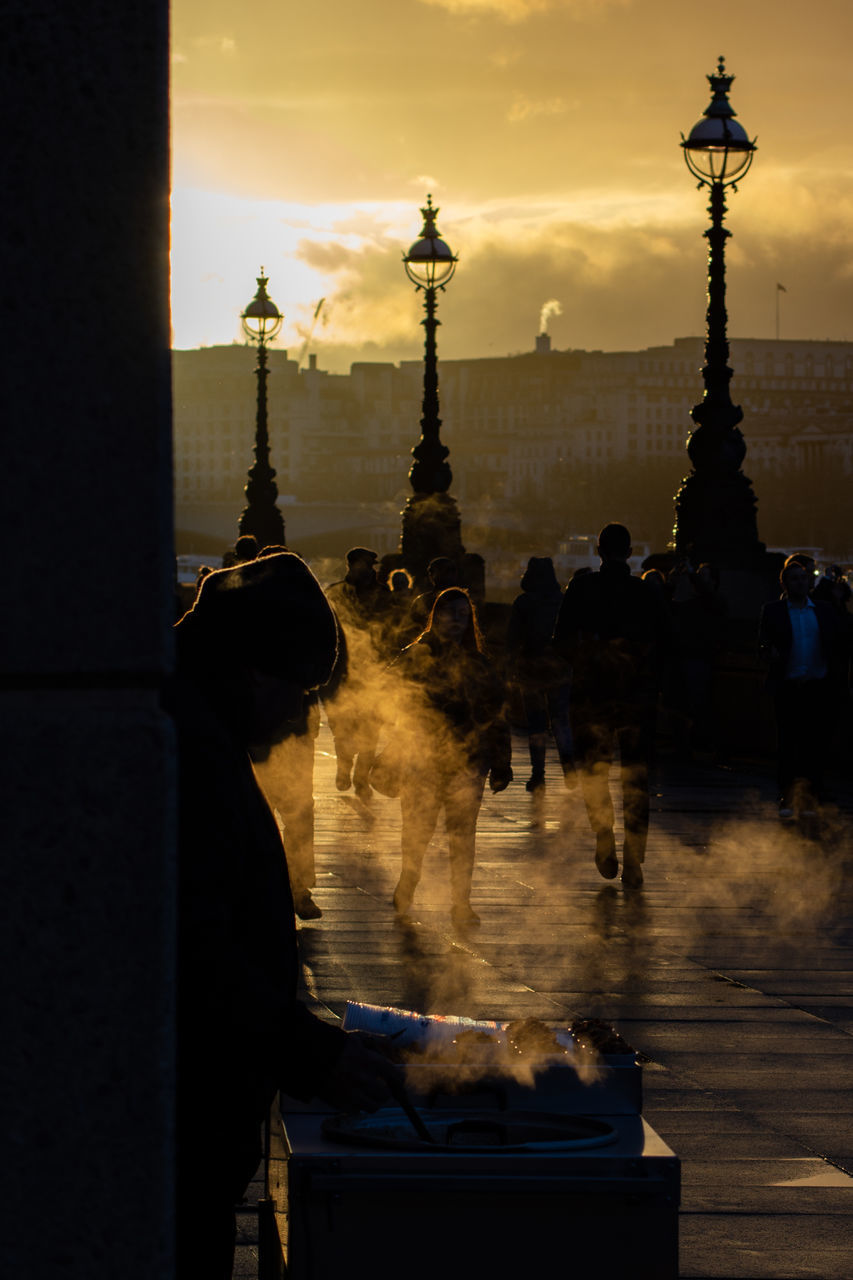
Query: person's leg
(635, 741)
(561, 729)
(463, 797)
(593, 754)
(786, 744)
(364, 742)
(818, 723)
(420, 802)
(536, 715)
(341, 723)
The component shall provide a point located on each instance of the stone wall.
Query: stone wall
(88, 862)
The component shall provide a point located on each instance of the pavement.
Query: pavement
(731, 972)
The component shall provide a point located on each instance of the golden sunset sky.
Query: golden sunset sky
(306, 137)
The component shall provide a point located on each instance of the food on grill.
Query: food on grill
(594, 1036)
(530, 1036)
(475, 1046)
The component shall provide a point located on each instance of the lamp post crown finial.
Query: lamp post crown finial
(430, 214)
(720, 83)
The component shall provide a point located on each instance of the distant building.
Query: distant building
(512, 423)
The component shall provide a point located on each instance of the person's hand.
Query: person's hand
(499, 779)
(364, 1077)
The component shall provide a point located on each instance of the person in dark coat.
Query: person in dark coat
(613, 629)
(452, 732)
(806, 647)
(537, 669)
(258, 636)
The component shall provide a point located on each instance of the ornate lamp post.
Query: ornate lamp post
(715, 506)
(261, 516)
(431, 525)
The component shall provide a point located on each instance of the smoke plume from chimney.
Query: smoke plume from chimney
(551, 308)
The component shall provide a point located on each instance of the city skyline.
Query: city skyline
(309, 148)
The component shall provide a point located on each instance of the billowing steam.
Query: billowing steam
(551, 308)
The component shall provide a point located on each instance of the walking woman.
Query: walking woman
(541, 674)
(454, 733)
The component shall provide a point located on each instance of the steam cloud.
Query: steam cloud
(551, 308)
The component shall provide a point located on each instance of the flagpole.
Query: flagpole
(777, 313)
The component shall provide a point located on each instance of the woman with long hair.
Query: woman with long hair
(455, 734)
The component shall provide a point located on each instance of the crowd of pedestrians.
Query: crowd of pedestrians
(420, 707)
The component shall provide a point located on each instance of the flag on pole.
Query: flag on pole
(781, 288)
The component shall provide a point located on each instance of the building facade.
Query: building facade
(519, 428)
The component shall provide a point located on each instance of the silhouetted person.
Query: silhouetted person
(256, 639)
(539, 672)
(399, 629)
(612, 629)
(442, 572)
(452, 733)
(834, 589)
(806, 647)
(286, 776)
(362, 604)
(244, 549)
(287, 780)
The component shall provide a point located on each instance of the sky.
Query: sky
(306, 138)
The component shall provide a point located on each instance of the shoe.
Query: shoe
(343, 776)
(464, 916)
(786, 813)
(605, 853)
(305, 906)
(632, 875)
(534, 782)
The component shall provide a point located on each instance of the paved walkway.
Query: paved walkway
(731, 972)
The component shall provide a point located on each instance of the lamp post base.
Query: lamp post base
(431, 527)
(715, 520)
(265, 522)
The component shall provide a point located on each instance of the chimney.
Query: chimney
(312, 362)
(543, 345)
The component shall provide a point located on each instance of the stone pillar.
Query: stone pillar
(88, 783)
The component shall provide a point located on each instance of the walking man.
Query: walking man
(613, 629)
(804, 644)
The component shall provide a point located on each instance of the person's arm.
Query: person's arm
(567, 627)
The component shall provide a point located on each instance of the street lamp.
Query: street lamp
(715, 506)
(431, 525)
(261, 516)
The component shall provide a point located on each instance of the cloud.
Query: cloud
(628, 272)
(520, 10)
(524, 108)
(621, 285)
(508, 10)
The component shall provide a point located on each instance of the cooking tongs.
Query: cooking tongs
(398, 1089)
